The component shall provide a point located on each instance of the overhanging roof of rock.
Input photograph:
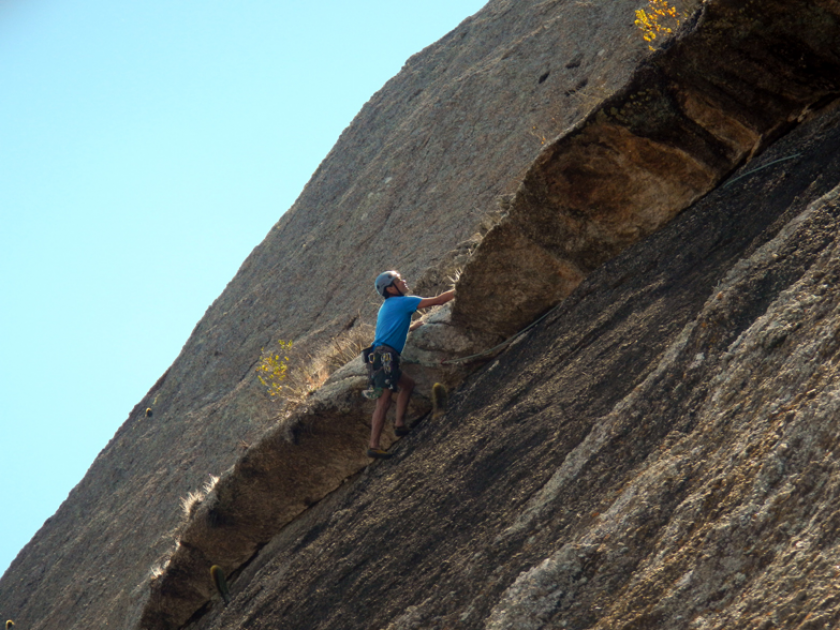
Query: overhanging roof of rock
(741, 75)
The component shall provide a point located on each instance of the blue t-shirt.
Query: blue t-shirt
(394, 320)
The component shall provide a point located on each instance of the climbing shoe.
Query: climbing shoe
(401, 431)
(379, 453)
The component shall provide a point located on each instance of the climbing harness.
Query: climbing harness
(383, 364)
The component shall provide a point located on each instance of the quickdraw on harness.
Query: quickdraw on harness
(379, 360)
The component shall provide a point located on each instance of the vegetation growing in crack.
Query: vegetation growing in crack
(221, 583)
(290, 377)
(271, 369)
(190, 503)
(658, 19)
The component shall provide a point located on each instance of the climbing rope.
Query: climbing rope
(509, 341)
(484, 353)
(761, 168)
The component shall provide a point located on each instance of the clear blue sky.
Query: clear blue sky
(145, 149)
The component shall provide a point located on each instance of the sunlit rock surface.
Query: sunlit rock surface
(656, 452)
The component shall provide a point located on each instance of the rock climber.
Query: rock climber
(392, 327)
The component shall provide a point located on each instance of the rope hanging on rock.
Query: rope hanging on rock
(484, 353)
(761, 168)
(509, 341)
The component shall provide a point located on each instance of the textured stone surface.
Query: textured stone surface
(657, 452)
(414, 175)
(539, 592)
(739, 75)
(292, 467)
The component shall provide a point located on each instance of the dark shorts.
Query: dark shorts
(384, 368)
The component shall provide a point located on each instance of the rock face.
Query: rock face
(737, 78)
(413, 176)
(657, 452)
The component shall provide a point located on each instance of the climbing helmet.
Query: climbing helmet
(385, 280)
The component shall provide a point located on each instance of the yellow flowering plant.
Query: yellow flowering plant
(659, 18)
(272, 368)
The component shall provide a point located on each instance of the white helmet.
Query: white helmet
(385, 280)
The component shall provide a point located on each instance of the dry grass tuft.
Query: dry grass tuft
(210, 484)
(306, 373)
(190, 503)
(452, 278)
(157, 572)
